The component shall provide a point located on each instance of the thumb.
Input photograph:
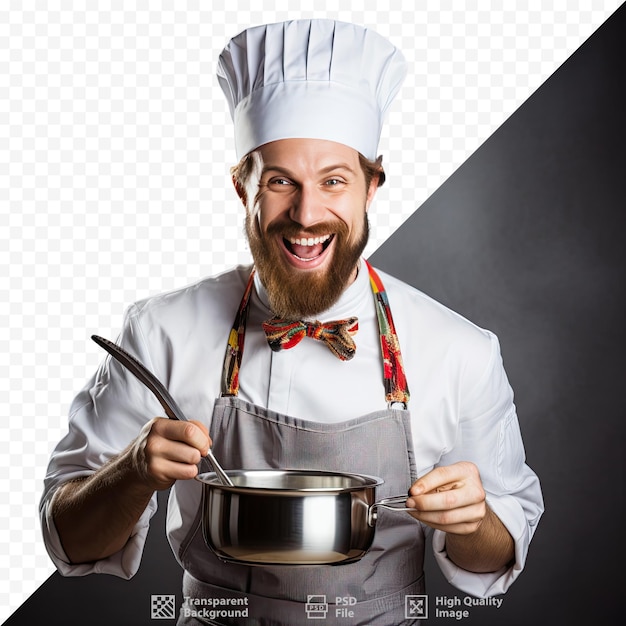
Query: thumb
(205, 430)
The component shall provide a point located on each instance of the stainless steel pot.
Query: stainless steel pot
(291, 517)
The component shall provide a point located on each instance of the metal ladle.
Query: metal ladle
(158, 389)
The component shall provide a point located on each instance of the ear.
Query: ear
(241, 192)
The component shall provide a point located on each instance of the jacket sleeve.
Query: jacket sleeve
(104, 418)
(489, 435)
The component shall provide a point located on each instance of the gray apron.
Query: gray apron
(373, 589)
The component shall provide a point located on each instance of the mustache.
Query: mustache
(293, 229)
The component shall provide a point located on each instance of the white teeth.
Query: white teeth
(311, 241)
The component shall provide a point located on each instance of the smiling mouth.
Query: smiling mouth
(307, 248)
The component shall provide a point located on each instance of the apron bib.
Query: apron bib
(370, 591)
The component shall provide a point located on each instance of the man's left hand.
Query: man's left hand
(450, 498)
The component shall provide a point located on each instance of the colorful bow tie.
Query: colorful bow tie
(283, 334)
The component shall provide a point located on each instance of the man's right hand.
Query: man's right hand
(169, 450)
(95, 515)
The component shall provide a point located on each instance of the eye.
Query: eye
(280, 181)
(333, 182)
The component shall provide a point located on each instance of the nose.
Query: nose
(307, 206)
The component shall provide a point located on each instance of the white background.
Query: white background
(115, 144)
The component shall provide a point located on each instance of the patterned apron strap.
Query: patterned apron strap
(234, 349)
(396, 386)
(394, 379)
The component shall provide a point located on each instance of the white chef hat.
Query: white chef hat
(317, 79)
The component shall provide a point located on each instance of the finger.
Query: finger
(190, 433)
(168, 460)
(463, 520)
(166, 471)
(450, 496)
(205, 430)
(201, 426)
(438, 478)
(158, 447)
(445, 478)
(443, 500)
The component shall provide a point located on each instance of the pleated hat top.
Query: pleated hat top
(318, 79)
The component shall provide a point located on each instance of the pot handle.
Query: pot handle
(386, 503)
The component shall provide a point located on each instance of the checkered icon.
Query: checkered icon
(163, 607)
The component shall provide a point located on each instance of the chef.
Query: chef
(345, 368)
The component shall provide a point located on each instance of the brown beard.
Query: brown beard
(297, 294)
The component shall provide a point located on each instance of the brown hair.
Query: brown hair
(371, 169)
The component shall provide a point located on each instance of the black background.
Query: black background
(526, 239)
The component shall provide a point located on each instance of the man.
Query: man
(308, 98)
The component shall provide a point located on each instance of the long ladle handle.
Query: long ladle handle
(143, 374)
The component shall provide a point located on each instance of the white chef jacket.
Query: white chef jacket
(461, 403)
